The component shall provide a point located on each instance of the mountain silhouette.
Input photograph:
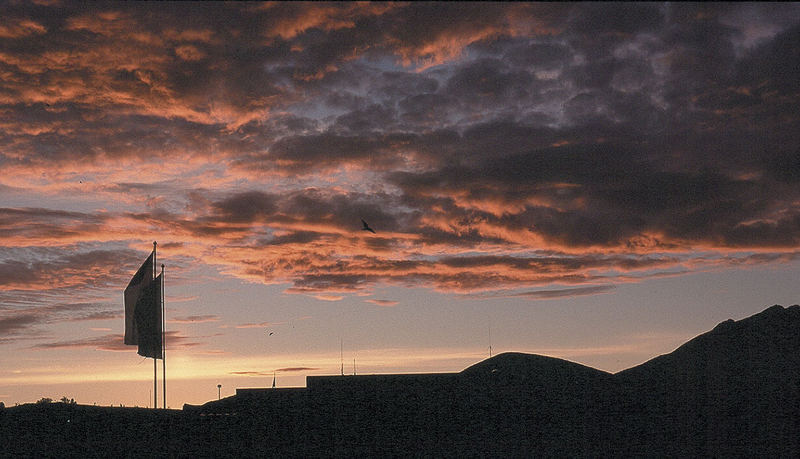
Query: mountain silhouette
(731, 392)
(764, 344)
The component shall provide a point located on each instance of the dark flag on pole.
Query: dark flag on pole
(148, 320)
(133, 292)
(144, 318)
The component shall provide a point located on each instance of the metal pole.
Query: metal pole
(163, 342)
(155, 364)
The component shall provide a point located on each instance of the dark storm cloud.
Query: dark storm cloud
(114, 343)
(371, 118)
(498, 129)
(295, 369)
(470, 273)
(425, 109)
(144, 81)
(544, 56)
(39, 222)
(421, 33)
(311, 206)
(246, 207)
(555, 262)
(111, 342)
(717, 189)
(24, 315)
(317, 151)
(13, 272)
(567, 292)
(65, 312)
(46, 285)
(491, 84)
(617, 20)
(175, 80)
(317, 283)
(351, 143)
(18, 323)
(398, 85)
(74, 137)
(46, 269)
(363, 149)
(613, 194)
(550, 294)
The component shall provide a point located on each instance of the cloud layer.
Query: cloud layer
(526, 150)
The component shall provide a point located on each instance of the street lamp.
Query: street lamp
(219, 391)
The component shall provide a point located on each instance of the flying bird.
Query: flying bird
(271, 333)
(366, 227)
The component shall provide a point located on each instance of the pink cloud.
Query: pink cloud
(194, 319)
(385, 303)
(21, 28)
(258, 325)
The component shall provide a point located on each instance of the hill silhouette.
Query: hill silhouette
(527, 367)
(733, 391)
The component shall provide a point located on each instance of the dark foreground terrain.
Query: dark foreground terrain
(731, 392)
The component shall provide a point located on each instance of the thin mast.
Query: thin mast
(155, 364)
(163, 341)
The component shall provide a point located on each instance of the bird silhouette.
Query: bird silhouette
(366, 227)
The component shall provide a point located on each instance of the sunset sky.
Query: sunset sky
(595, 182)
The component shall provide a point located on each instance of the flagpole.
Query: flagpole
(142, 319)
(163, 341)
(155, 364)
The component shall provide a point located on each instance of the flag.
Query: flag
(140, 280)
(148, 320)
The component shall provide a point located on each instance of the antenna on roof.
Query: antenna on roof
(341, 354)
(490, 341)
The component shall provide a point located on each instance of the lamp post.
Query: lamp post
(219, 391)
